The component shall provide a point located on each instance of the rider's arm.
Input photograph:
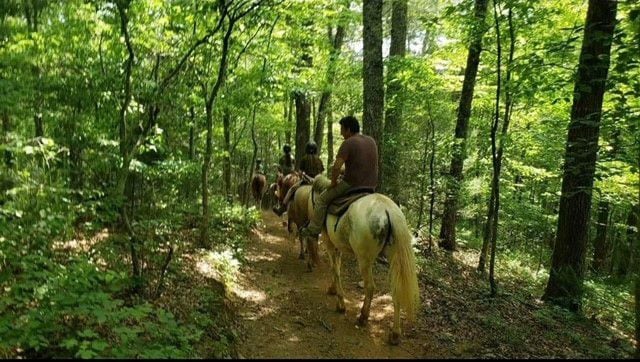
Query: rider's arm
(335, 171)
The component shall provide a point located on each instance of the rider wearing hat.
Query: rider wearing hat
(310, 165)
(287, 163)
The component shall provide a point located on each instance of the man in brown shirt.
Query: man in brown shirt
(359, 154)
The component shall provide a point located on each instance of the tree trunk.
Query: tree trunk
(636, 265)
(39, 127)
(423, 172)
(373, 83)
(626, 252)
(329, 141)
(192, 131)
(394, 143)
(600, 242)
(492, 212)
(448, 229)
(6, 129)
(633, 228)
(303, 114)
(226, 166)
(209, 106)
(325, 98)
(204, 227)
(567, 268)
(290, 100)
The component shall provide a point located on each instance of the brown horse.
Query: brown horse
(298, 214)
(258, 188)
(283, 184)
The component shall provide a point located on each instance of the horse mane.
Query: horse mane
(320, 183)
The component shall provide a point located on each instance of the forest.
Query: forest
(508, 137)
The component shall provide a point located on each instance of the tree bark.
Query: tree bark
(126, 152)
(493, 208)
(6, 129)
(449, 217)
(600, 242)
(210, 102)
(325, 98)
(329, 141)
(394, 142)
(290, 102)
(303, 119)
(373, 83)
(636, 267)
(626, 245)
(633, 228)
(226, 166)
(564, 287)
(39, 127)
(192, 131)
(495, 162)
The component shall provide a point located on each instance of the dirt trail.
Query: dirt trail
(286, 312)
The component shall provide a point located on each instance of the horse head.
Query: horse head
(285, 184)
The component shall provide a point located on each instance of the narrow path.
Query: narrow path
(286, 312)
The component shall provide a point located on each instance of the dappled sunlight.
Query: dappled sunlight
(248, 294)
(82, 244)
(218, 265)
(266, 255)
(381, 307)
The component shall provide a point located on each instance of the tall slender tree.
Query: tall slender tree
(564, 287)
(491, 225)
(372, 80)
(393, 125)
(325, 98)
(449, 217)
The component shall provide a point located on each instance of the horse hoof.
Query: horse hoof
(301, 256)
(331, 291)
(394, 339)
(341, 309)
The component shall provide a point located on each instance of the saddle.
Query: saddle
(341, 204)
(306, 179)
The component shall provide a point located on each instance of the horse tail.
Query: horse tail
(403, 274)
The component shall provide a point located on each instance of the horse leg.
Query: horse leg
(332, 288)
(340, 307)
(367, 276)
(312, 248)
(301, 255)
(394, 339)
(308, 242)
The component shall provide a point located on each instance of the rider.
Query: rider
(259, 167)
(311, 165)
(287, 162)
(359, 154)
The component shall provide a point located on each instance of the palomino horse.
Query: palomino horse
(298, 214)
(258, 188)
(372, 224)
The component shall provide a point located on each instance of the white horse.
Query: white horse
(372, 224)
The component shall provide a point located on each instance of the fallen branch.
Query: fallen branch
(167, 260)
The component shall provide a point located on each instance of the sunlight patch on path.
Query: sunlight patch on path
(81, 244)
